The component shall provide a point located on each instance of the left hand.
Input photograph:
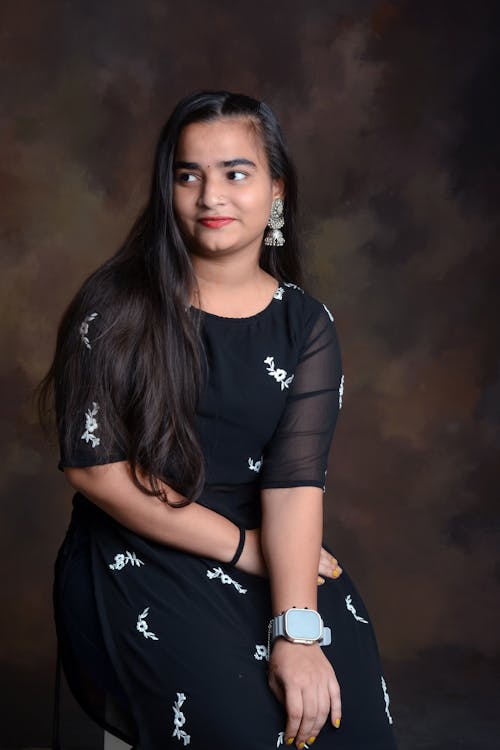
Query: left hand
(303, 680)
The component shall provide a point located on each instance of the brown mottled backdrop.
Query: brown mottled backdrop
(392, 113)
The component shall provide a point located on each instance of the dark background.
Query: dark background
(391, 110)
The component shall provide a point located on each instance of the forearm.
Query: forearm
(192, 528)
(291, 537)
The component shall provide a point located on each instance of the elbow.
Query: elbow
(80, 478)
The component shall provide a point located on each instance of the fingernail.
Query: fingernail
(336, 723)
(310, 740)
(333, 559)
(301, 745)
(320, 580)
(336, 573)
(290, 740)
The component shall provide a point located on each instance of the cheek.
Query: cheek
(180, 206)
(258, 206)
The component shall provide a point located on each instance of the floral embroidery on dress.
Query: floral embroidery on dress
(350, 606)
(84, 329)
(142, 626)
(91, 425)
(328, 311)
(386, 698)
(255, 465)
(294, 286)
(219, 573)
(180, 720)
(278, 294)
(123, 559)
(278, 374)
(341, 390)
(261, 652)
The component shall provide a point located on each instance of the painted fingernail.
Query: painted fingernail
(336, 573)
(290, 740)
(301, 745)
(333, 559)
(310, 740)
(336, 723)
(320, 580)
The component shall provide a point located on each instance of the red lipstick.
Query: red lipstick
(214, 222)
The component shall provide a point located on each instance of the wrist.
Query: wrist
(298, 625)
(251, 560)
(239, 546)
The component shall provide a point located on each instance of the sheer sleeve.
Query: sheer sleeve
(85, 436)
(297, 453)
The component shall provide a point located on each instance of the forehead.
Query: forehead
(208, 143)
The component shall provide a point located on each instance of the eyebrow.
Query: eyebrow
(229, 163)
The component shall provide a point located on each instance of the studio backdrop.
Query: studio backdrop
(391, 113)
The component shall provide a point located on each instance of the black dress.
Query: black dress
(166, 648)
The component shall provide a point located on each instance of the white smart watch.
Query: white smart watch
(300, 626)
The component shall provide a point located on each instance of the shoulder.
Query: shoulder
(305, 307)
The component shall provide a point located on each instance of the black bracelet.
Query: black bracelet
(239, 549)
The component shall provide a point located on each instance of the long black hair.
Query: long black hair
(144, 367)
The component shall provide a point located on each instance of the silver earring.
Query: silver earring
(276, 222)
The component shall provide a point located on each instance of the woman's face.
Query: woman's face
(221, 171)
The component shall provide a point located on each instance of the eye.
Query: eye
(182, 176)
(235, 172)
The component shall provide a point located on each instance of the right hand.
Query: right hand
(252, 559)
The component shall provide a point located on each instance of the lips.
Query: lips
(216, 221)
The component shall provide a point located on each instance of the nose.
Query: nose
(211, 191)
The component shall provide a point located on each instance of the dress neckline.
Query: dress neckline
(248, 317)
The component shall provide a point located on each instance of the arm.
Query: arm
(292, 488)
(292, 526)
(193, 528)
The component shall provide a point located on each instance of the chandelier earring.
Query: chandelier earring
(276, 222)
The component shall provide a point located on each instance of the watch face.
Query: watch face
(302, 623)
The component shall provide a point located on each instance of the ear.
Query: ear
(278, 188)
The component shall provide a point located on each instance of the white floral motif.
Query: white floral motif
(294, 286)
(123, 559)
(261, 652)
(219, 573)
(386, 698)
(142, 626)
(328, 311)
(278, 374)
(255, 465)
(278, 294)
(324, 486)
(180, 720)
(350, 606)
(341, 390)
(84, 329)
(91, 426)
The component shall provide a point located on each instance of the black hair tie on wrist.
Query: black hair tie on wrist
(239, 549)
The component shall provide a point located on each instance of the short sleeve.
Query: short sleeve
(89, 445)
(85, 436)
(297, 454)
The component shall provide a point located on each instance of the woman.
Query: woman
(197, 386)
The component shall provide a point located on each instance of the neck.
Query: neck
(228, 277)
